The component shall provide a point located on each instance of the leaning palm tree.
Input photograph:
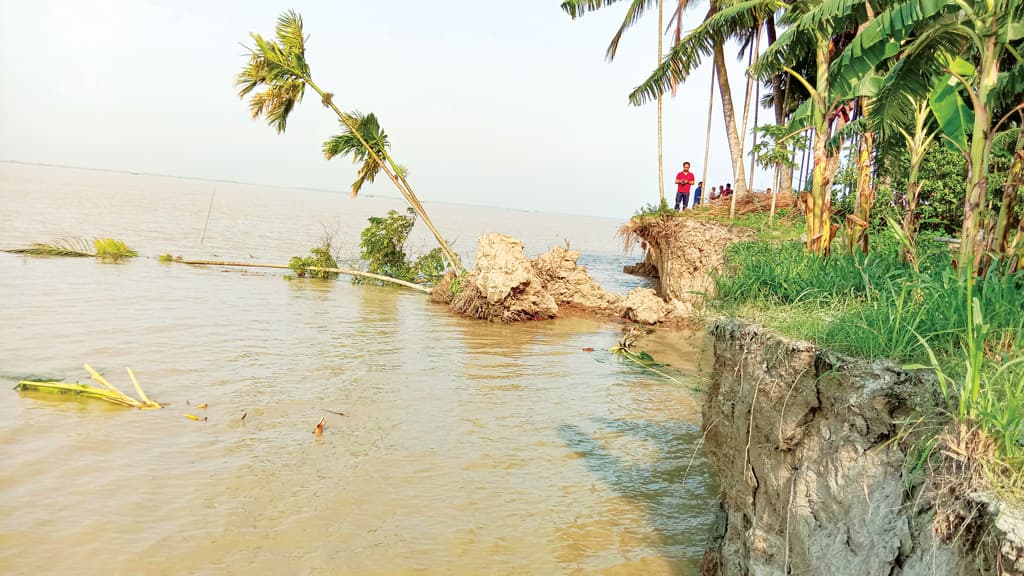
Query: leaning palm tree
(279, 66)
(637, 8)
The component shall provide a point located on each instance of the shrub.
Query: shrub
(320, 257)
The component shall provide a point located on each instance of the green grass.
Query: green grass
(970, 333)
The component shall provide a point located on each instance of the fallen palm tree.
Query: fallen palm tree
(106, 248)
(345, 271)
(108, 393)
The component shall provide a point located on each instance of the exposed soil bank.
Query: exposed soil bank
(683, 252)
(506, 286)
(807, 448)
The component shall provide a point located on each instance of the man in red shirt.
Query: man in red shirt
(684, 180)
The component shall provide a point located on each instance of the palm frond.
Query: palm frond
(687, 54)
(112, 249)
(636, 10)
(912, 77)
(278, 65)
(71, 247)
(289, 32)
(577, 8)
(348, 144)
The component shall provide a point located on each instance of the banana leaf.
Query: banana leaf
(108, 393)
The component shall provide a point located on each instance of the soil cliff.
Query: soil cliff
(506, 286)
(684, 252)
(807, 448)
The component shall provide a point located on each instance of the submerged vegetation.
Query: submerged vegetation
(312, 266)
(383, 247)
(108, 393)
(105, 248)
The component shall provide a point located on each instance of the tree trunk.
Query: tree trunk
(978, 160)
(705, 196)
(757, 108)
(908, 254)
(784, 172)
(729, 113)
(743, 132)
(661, 156)
(857, 224)
(819, 202)
(1007, 212)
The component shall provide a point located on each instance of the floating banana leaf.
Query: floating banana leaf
(109, 393)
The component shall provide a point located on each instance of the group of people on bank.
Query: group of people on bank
(684, 185)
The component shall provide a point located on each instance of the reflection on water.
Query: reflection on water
(465, 447)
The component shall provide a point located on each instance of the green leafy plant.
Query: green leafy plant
(382, 247)
(105, 248)
(321, 256)
(111, 249)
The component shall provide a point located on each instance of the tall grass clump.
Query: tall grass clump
(869, 306)
(968, 331)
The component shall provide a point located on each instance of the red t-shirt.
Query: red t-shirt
(685, 181)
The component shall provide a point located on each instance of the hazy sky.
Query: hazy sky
(491, 103)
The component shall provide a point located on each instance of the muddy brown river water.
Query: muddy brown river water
(465, 448)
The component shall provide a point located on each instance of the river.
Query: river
(465, 447)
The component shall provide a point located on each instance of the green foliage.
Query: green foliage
(382, 247)
(105, 248)
(873, 307)
(942, 186)
(321, 256)
(348, 144)
(111, 249)
(868, 306)
(655, 210)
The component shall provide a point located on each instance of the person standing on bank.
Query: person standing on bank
(697, 193)
(684, 180)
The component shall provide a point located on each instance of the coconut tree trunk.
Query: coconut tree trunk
(735, 144)
(784, 172)
(757, 108)
(661, 156)
(705, 196)
(743, 132)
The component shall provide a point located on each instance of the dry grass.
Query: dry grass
(967, 467)
(747, 204)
